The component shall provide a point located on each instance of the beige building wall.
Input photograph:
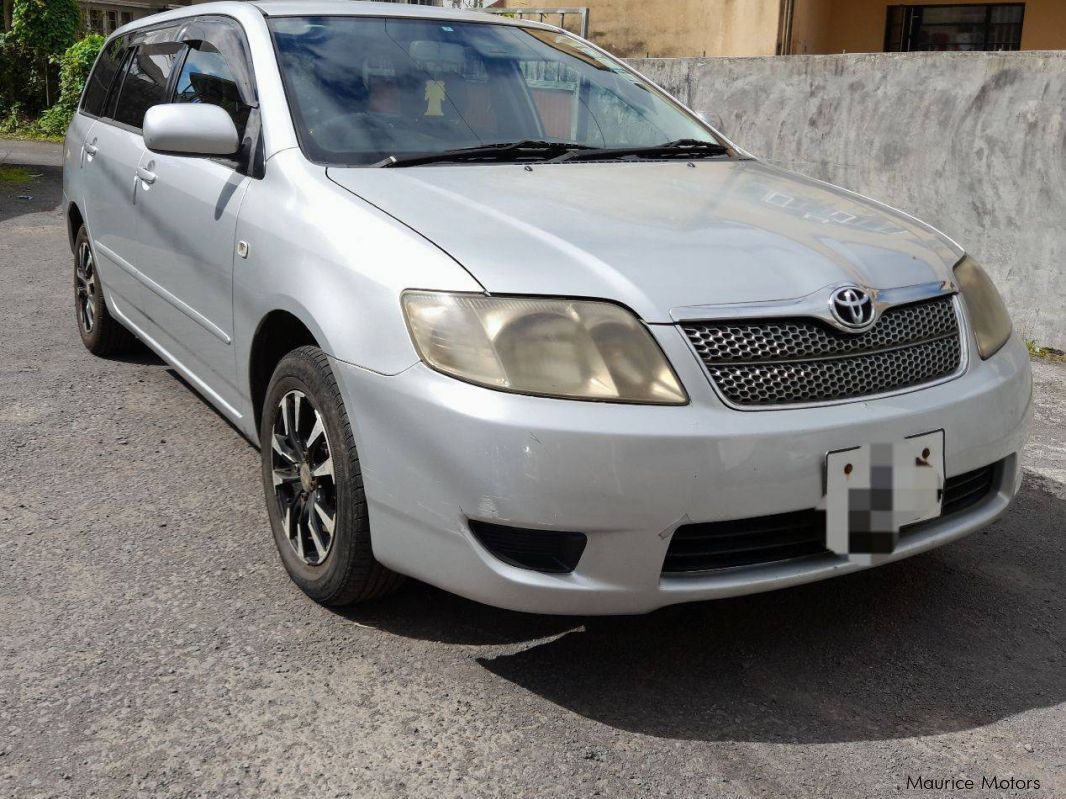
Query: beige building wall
(676, 28)
(812, 22)
(858, 26)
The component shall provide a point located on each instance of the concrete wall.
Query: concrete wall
(973, 143)
(676, 28)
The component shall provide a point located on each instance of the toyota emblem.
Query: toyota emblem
(852, 308)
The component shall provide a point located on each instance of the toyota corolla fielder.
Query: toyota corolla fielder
(505, 317)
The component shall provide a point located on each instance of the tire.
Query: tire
(310, 468)
(101, 334)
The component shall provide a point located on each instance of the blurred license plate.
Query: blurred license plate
(874, 490)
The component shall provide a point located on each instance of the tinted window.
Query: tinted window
(208, 77)
(362, 88)
(996, 26)
(103, 75)
(145, 84)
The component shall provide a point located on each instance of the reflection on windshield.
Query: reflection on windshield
(364, 88)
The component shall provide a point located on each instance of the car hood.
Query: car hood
(659, 237)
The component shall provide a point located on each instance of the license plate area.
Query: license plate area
(874, 490)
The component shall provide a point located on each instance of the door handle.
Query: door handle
(91, 150)
(145, 175)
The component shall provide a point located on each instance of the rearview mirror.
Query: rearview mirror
(190, 129)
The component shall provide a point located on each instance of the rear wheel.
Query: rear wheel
(100, 332)
(314, 487)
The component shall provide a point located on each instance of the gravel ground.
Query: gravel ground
(151, 644)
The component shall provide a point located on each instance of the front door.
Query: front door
(188, 216)
(187, 220)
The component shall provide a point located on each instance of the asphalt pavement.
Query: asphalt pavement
(152, 646)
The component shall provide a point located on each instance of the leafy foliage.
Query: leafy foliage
(22, 77)
(74, 68)
(1048, 353)
(14, 175)
(48, 27)
(40, 31)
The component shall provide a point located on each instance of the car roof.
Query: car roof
(325, 8)
(363, 8)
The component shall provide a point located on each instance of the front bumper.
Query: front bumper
(436, 452)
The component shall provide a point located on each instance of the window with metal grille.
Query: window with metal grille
(991, 26)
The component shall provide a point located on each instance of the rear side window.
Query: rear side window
(145, 83)
(209, 76)
(103, 75)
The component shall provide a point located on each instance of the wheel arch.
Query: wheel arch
(75, 220)
(279, 332)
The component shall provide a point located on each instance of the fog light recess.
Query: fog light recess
(546, 551)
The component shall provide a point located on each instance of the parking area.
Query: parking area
(151, 644)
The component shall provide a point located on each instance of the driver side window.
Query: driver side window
(207, 77)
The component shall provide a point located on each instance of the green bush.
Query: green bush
(74, 68)
(22, 77)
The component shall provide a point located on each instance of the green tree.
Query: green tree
(74, 68)
(47, 26)
(45, 29)
(22, 74)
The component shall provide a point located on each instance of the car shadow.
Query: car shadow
(140, 355)
(151, 358)
(425, 613)
(955, 639)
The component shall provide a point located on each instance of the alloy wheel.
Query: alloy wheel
(304, 484)
(85, 287)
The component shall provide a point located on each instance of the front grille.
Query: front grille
(800, 534)
(745, 542)
(790, 361)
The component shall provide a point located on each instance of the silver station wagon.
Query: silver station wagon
(505, 317)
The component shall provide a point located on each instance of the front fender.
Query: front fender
(333, 261)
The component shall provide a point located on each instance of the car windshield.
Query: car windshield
(363, 89)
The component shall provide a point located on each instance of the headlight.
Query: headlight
(572, 349)
(988, 315)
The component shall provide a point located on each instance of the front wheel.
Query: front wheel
(313, 485)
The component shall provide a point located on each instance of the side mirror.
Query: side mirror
(190, 129)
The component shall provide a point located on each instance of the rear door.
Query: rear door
(188, 213)
(110, 154)
(79, 134)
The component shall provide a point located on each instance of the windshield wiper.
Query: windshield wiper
(682, 148)
(502, 152)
